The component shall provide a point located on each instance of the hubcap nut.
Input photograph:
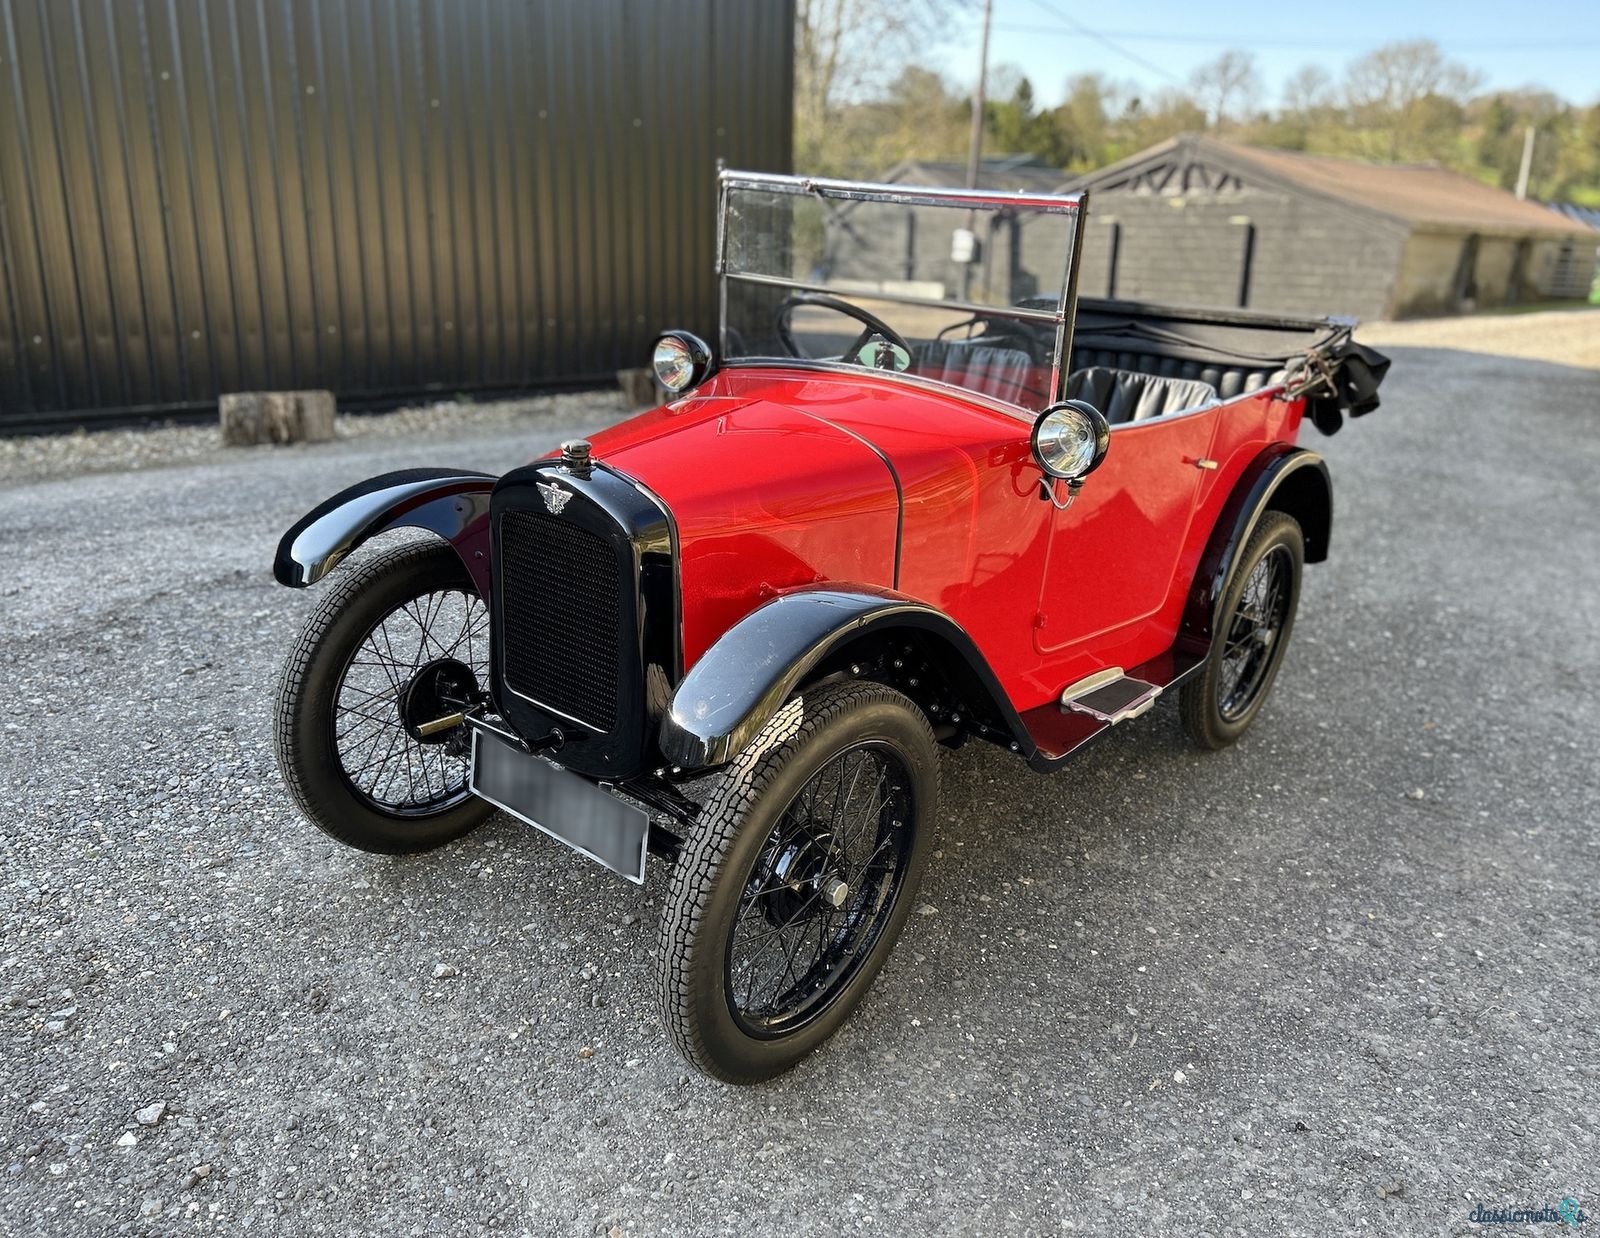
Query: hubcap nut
(834, 891)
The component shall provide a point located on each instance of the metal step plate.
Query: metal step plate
(1113, 700)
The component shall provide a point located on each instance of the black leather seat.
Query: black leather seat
(1002, 373)
(1229, 379)
(1126, 395)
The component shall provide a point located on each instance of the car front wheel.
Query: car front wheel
(1252, 634)
(398, 643)
(790, 896)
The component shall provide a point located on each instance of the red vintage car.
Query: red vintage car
(908, 500)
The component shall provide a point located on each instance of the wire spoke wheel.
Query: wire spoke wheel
(420, 661)
(804, 864)
(1254, 620)
(819, 893)
(399, 641)
(1252, 636)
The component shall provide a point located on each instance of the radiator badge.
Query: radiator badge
(554, 497)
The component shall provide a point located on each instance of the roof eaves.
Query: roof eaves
(1228, 155)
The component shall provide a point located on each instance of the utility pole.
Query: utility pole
(1527, 163)
(975, 146)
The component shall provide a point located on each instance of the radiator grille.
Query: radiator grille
(560, 603)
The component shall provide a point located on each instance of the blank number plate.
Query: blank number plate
(561, 804)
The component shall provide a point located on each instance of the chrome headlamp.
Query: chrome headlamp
(1070, 440)
(680, 360)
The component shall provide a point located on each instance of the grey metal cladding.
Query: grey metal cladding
(382, 197)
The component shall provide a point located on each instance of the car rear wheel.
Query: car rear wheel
(790, 896)
(1253, 628)
(398, 642)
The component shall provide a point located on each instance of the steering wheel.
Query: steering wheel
(871, 323)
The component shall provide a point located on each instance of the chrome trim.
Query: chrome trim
(905, 195)
(1067, 307)
(555, 498)
(1138, 706)
(1075, 205)
(1090, 682)
(722, 263)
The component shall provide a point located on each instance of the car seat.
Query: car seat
(1001, 373)
(1126, 395)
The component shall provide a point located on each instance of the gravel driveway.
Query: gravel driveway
(1342, 977)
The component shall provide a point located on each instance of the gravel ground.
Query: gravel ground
(1565, 337)
(45, 457)
(1342, 977)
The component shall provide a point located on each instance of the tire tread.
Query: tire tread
(1197, 699)
(700, 864)
(335, 811)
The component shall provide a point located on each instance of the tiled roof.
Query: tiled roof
(1420, 193)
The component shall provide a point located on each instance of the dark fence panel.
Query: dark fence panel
(384, 197)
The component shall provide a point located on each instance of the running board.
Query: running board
(1093, 705)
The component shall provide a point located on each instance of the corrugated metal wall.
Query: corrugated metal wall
(377, 196)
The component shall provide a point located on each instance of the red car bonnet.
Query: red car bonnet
(765, 497)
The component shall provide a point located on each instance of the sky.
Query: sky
(1554, 44)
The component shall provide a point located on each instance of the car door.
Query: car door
(1114, 553)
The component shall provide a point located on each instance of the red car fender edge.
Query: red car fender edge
(1282, 478)
(742, 681)
(452, 503)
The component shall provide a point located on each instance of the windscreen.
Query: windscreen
(900, 282)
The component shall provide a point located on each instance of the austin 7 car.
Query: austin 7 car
(915, 493)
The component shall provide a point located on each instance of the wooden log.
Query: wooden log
(249, 418)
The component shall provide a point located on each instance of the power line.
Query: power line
(1252, 41)
(1105, 40)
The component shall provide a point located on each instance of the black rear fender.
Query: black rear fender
(1287, 479)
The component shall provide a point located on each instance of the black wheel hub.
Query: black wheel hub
(441, 687)
(802, 865)
(819, 895)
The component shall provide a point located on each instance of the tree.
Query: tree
(917, 117)
(1084, 120)
(1170, 113)
(846, 51)
(863, 105)
(1406, 98)
(1308, 91)
(1015, 125)
(1226, 88)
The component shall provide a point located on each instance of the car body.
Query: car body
(811, 509)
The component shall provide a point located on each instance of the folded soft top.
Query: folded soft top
(1314, 357)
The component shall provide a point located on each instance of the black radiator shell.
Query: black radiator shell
(616, 517)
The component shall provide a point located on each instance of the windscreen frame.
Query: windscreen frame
(1074, 205)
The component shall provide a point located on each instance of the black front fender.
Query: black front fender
(453, 503)
(742, 681)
